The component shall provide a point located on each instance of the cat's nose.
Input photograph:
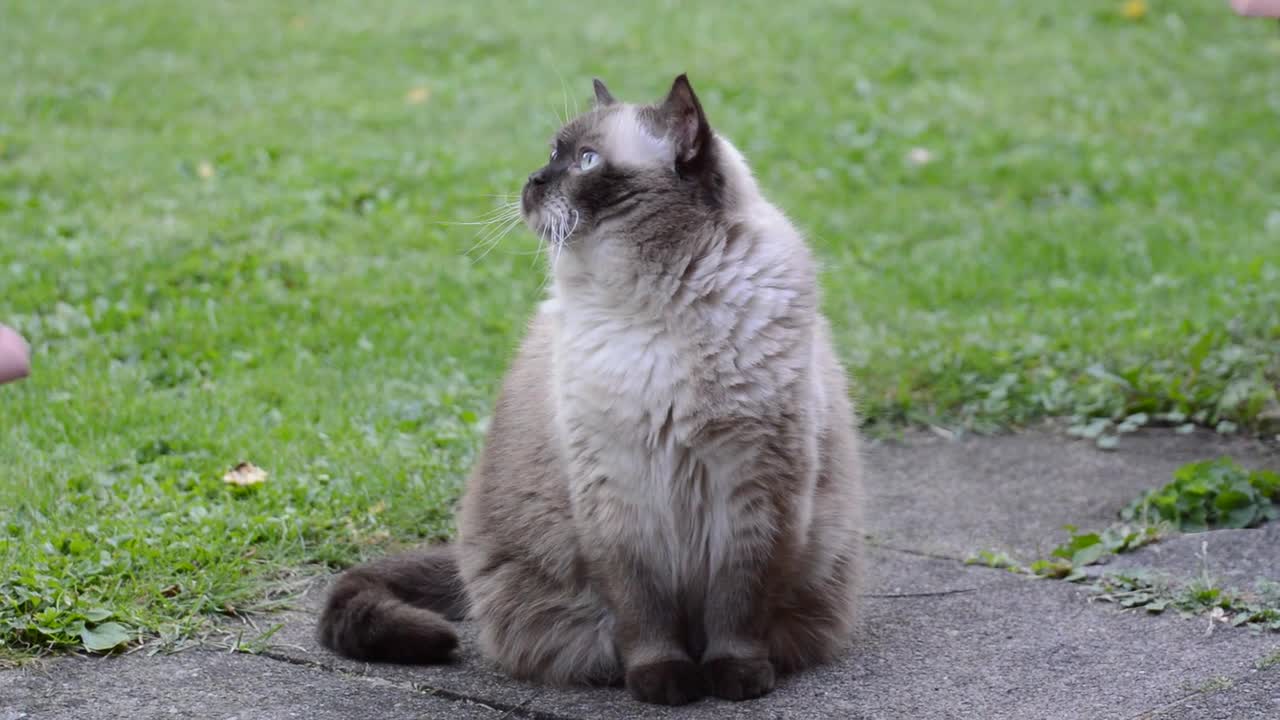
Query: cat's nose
(539, 177)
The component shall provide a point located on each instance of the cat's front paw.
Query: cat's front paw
(670, 682)
(738, 678)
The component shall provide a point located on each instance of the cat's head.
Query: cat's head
(627, 171)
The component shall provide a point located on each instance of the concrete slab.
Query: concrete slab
(1256, 697)
(941, 640)
(1014, 493)
(203, 684)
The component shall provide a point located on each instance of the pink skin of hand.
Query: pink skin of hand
(1257, 8)
(15, 362)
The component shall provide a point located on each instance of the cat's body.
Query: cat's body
(669, 490)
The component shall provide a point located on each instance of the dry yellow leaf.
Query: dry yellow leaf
(246, 473)
(1134, 9)
(417, 95)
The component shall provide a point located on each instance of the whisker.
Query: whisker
(495, 225)
(564, 239)
(492, 230)
(542, 240)
(559, 238)
(499, 213)
(506, 229)
(501, 218)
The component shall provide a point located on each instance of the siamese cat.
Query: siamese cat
(668, 494)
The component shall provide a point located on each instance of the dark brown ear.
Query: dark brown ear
(688, 124)
(603, 96)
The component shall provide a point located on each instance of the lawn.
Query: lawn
(225, 227)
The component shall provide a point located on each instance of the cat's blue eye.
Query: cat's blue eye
(589, 159)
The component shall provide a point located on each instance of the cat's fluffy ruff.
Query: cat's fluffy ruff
(669, 490)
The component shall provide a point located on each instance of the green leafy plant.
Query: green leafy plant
(1087, 548)
(1066, 561)
(994, 559)
(1211, 494)
(1257, 607)
(38, 611)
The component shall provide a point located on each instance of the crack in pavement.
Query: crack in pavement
(937, 593)
(519, 710)
(916, 553)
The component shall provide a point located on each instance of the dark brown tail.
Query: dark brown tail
(396, 609)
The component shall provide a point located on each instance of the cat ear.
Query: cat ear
(687, 123)
(603, 96)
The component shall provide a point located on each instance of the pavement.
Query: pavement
(940, 639)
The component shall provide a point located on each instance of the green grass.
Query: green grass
(221, 225)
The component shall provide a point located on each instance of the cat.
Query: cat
(669, 491)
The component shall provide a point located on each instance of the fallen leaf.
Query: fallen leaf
(417, 95)
(1134, 9)
(246, 473)
(204, 169)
